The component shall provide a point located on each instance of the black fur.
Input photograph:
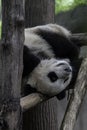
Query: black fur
(30, 61)
(62, 46)
(28, 89)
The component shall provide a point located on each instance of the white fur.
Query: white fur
(37, 44)
(39, 79)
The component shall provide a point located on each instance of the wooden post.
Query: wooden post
(43, 116)
(11, 53)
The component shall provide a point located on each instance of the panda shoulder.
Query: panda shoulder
(37, 44)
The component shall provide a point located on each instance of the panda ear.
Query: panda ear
(28, 89)
(61, 95)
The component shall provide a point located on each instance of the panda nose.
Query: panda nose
(68, 69)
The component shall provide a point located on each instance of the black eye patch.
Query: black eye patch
(52, 76)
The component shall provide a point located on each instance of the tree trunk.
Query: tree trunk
(38, 12)
(44, 115)
(11, 53)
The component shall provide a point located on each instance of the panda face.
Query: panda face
(51, 76)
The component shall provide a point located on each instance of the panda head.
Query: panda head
(51, 76)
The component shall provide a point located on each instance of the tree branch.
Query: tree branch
(76, 98)
(31, 100)
(79, 38)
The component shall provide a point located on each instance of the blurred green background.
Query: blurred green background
(64, 5)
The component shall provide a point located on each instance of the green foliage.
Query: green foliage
(64, 5)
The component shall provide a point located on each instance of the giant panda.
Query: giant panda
(50, 59)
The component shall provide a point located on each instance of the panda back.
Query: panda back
(52, 40)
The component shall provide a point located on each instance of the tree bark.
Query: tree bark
(38, 12)
(44, 115)
(11, 53)
(80, 39)
(76, 99)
